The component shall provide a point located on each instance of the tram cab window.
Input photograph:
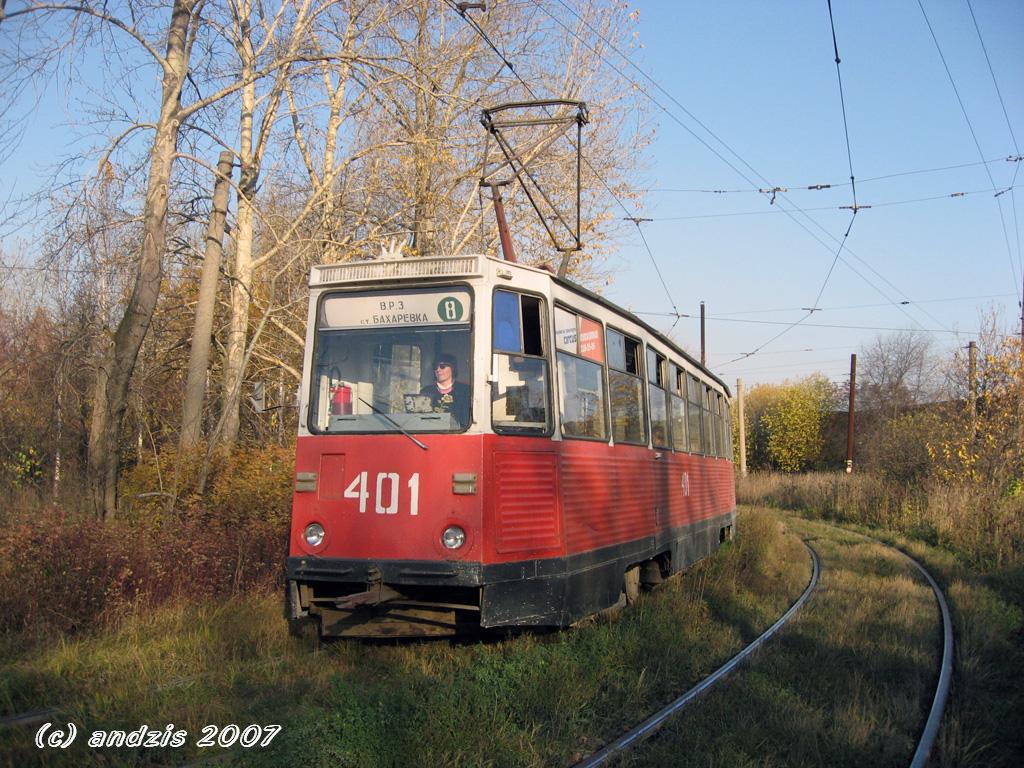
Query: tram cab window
(626, 394)
(656, 393)
(520, 399)
(374, 362)
(694, 419)
(580, 357)
(677, 408)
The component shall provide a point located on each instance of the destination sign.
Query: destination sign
(397, 310)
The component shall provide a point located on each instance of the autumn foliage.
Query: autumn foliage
(786, 422)
(69, 572)
(983, 445)
(949, 471)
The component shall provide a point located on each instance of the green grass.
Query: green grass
(531, 700)
(848, 684)
(851, 681)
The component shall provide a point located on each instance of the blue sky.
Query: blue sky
(762, 77)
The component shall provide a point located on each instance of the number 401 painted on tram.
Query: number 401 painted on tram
(359, 488)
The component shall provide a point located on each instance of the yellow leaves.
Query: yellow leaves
(787, 423)
(983, 444)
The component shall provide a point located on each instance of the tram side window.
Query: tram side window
(726, 428)
(677, 404)
(656, 393)
(718, 423)
(693, 410)
(520, 395)
(710, 427)
(629, 424)
(580, 358)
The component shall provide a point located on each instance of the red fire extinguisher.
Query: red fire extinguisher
(341, 400)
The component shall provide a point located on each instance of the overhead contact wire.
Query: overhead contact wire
(711, 133)
(1016, 148)
(853, 217)
(977, 144)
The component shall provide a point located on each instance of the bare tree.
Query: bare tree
(897, 372)
(114, 374)
(384, 100)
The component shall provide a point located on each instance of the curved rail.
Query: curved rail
(655, 721)
(931, 726)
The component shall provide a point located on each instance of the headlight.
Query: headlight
(314, 534)
(453, 537)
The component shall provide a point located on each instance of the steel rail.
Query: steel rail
(648, 727)
(931, 726)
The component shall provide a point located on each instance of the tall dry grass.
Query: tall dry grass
(981, 524)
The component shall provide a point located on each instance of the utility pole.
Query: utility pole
(702, 356)
(972, 382)
(743, 429)
(849, 423)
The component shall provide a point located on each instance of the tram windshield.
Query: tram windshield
(388, 361)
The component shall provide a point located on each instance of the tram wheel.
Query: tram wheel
(631, 584)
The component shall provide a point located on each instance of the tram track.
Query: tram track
(650, 726)
(654, 723)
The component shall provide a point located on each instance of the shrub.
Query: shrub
(72, 572)
(245, 484)
(255, 485)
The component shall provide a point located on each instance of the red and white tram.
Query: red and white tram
(583, 452)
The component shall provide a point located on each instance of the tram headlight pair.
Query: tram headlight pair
(453, 537)
(314, 534)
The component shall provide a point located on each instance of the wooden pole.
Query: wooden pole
(743, 429)
(972, 382)
(702, 355)
(849, 424)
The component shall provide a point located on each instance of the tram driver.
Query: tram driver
(446, 394)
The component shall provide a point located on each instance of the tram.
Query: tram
(483, 444)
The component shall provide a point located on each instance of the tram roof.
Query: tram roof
(470, 266)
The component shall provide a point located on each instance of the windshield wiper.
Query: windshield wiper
(391, 421)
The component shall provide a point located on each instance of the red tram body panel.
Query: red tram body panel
(414, 518)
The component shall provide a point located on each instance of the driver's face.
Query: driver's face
(443, 373)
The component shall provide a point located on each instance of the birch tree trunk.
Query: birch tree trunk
(115, 372)
(241, 278)
(253, 143)
(199, 354)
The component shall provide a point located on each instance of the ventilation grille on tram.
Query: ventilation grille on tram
(369, 271)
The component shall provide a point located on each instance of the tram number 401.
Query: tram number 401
(386, 489)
